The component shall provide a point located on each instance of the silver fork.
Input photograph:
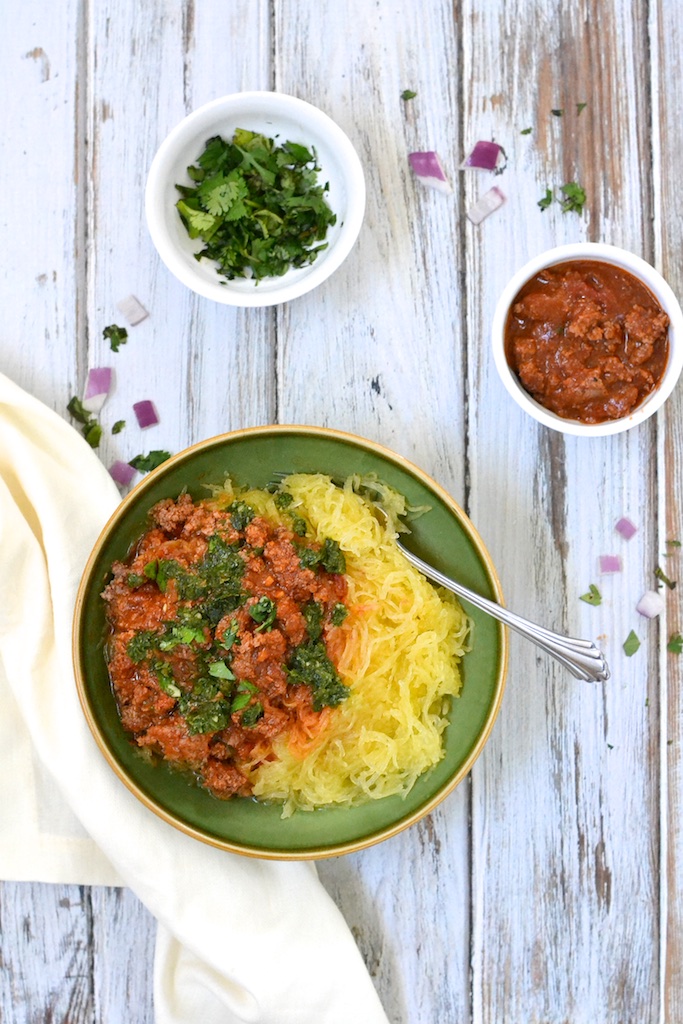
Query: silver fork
(583, 659)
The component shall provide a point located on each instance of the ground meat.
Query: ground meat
(198, 648)
(587, 340)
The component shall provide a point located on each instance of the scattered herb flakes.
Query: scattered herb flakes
(610, 746)
(145, 463)
(256, 205)
(408, 94)
(575, 197)
(116, 336)
(675, 644)
(593, 596)
(673, 543)
(90, 428)
(580, 107)
(525, 131)
(118, 426)
(631, 644)
(661, 575)
(558, 112)
(547, 199)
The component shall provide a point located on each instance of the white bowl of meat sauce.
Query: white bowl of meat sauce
(255, 198)
(588, 339)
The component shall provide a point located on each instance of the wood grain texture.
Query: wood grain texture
(546, 889)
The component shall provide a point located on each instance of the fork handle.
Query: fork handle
(581, 657)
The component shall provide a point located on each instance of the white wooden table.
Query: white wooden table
(547, 888)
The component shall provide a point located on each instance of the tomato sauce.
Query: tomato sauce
(587, 340)
(224, 633)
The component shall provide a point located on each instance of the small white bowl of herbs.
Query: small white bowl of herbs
(255, 198)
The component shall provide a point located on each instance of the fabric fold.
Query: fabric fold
(240, 940)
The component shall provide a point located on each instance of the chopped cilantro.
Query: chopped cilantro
(140, 645)
(675, 644)
(593, 596)
(188, 628)
(230, 635)
(661, 575)
(408, 94)
(241, 514)
(575, 198)
(146, 463)
(580, 107)
(207, 716)
(314, 613)
(134, 580)
(167, 683)
(558, 112)
(118, 426)
(330, 556)
(91, 429)
(283, 499)
(264, 611)
(339, 613)
(547, 199)
(251, 715)
(631, 644)
(311, 665)
(673, 543)
(256, 205)
(525, 131)
(220, 670)
(116, 336)
(245, 691)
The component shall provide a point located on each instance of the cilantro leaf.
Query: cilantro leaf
(675, 644)
(547, 199)
(558, 112)
(257, 206)
(661, 575)
(408, 94)
(580, 107)
(575, 198)
(91, 429)
(631, 644)
(525, 131)
(118, 426)
(264, 611)
(146, 463)
(116, 336)
(593, 596)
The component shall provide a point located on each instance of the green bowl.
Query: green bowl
(444, 537)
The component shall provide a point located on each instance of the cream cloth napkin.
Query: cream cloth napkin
(248, 940)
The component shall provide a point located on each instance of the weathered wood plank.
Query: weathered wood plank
(123, 956)
(565, 798)
(666, 40)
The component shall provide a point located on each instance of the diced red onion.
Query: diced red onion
(146, 413)
(651, 604)
(484, 156)
(427, 167)
(97, 387)
(626, 528)
(122, 472)
(133, 310)
(609, 563)
(486, 205)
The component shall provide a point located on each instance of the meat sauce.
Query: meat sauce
(223, 635)
(587, 340)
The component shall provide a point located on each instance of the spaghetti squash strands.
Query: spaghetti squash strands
(404, 640)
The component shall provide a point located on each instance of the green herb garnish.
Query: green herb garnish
(118, 426)
(575, 198)
(264, 611)
(593, 596)
(311, 665)
(140, 645)
(90, 428)
(631, 644)
(558, 112)
(146, 463)
(283, 499)
(251, 715)
(314, 613)
(675, 644)
(661, 575)
(525, 131)
(339, 613)
(116, 336)
(580, 107)
(547, 199)
(241, 514)
(408, 94)
(220, 670)
(256, 205)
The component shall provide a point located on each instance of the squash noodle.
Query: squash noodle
(404, 641)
